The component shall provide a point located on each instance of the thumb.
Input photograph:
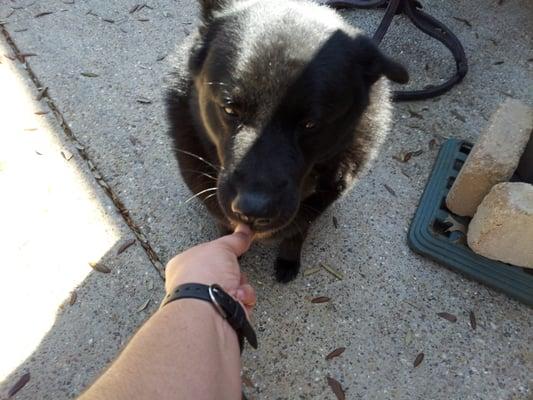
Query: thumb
(238, 242)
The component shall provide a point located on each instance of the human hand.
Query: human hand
(215, 262)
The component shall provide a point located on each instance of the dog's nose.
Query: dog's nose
(254, 208)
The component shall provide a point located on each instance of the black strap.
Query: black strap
(426, 24)
(226, 306)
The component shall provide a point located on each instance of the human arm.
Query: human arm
(185, 350)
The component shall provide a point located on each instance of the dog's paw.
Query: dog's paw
(286, 270)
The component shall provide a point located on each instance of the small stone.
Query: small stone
(67, 155)
(150, 284)
(493, 159)
(502, 228)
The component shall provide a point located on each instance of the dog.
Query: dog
(275, 107)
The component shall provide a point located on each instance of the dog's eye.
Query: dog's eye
(309, 124)
(230, 111)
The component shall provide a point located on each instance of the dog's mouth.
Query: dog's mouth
(262, 226)
(258, 232)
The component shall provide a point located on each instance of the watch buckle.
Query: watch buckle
(212, 289)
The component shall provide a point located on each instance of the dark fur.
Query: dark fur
(308, 108)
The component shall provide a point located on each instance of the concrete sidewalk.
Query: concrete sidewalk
(104, 66)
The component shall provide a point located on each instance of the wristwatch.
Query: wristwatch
(226, 306)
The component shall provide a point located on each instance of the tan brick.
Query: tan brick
(502, 228)
(494, 157)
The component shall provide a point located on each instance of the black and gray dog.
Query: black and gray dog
(274, 107)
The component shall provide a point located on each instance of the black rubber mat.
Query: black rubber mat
(440, 235)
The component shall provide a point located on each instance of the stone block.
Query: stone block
(502, 228)
(493, 159)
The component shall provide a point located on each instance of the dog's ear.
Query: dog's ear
(201, 45)
(374, 64)
(210, 6)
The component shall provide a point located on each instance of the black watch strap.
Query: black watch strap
(226, 306)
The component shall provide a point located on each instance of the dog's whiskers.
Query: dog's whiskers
(199, 194)
(209, 196)
(199, 173)
(297, 225)
(306, 207)
(199, 158)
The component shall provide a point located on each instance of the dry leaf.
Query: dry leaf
(73, 298)
(406, 156)
(144, 305)
(124, 246)
(89, 74)
(10, 14)
(458, 116)
(418, 360)
(414, 114)
(460, 240)
(67, 155)
(144, 100)
(455, 225)
(111, 21)
(42, 93)
(409, 338)
(335, 353)
(389, 189)
(150, 284)
(137, 7)
(100, 267)
(336, 387)
(311, 271)
(447, 316)
(336, 274)
(320, 299)
(41, 112)
(402, 157)
(432, 144)
(464, 21)
(43, 14)
(22, 56)
(23, 380)
(473, 322)
(247, 381)
(335, 222)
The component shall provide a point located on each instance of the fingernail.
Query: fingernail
(240, 294)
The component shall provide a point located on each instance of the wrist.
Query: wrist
(172, 283)
(201, 313)
(225, 304)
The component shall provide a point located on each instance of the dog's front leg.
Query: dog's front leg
(288, 261)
